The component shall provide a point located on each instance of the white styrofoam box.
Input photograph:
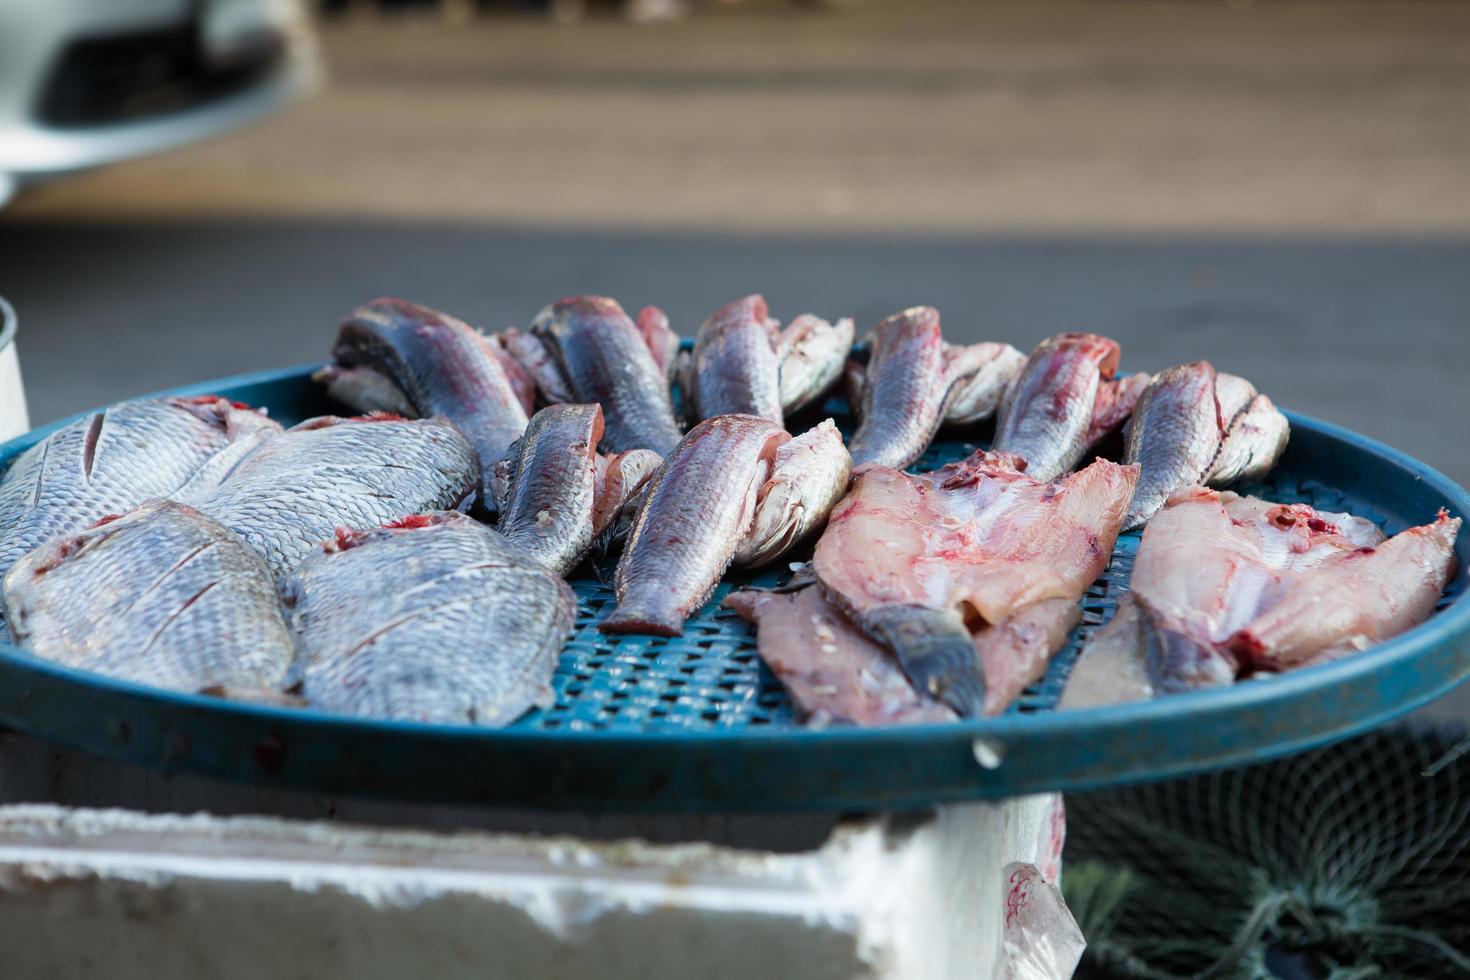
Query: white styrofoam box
(114, 893)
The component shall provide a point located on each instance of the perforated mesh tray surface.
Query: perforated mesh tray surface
(698, 722)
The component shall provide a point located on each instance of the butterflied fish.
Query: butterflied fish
(906, 388)
(605, 360)
(833, 671)
(978, 397)
(1047, 415)
(1173, 436)
(1223, 582)
(161, 595)
(433, 618)
(550, 510)
(325, 473)
(442, 366)
(734, 369)
(812, 353)
(929, 565)
(112, 461)
(693, 517)
(808, 476)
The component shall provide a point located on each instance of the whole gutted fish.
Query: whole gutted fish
(812, 353)
(990, 369)
(161, 596)
(1224, 583)
(933, 565)
(808, 476)
(296, 489)
(734, 369)
(114, 460)
(833, 672)
(553, 484)
(906, 388)
(1173, 436)
(1047, 415)
(603, 358)
(433, 618)
(442, 367)
(693, 517)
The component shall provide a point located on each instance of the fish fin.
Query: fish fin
(935, 650)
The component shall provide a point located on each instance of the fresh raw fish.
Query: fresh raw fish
(906, 388)
(538, 364)
(1223, 582)
(693, 517)
(296, 489)
(1363, 597)
(112, 461)
(432, 618)
(365, 389)
(604, 359)
(979, 396)
(622, 479)
(812, 352)
(1254, 443)
(442, 366)
(734, 369)
(1047, 415)
(924, 563)
(1116, 399)
(833, 671)
(1234, 394)
(553, 486)
(521, 381)
(663, 343)
(809, 475)
(1173, 436)
(161, 595)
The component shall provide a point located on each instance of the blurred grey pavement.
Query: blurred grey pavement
(1280, 187)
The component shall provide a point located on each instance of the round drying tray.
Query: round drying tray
(698, 723)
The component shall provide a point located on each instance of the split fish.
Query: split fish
(734, 369)
(1047, 417)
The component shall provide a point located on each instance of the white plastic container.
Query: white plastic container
(14, 419)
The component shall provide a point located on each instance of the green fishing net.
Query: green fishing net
(1346, 863)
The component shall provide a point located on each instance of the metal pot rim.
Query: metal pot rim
(8, 323)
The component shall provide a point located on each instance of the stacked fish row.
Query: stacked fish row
(351, 564)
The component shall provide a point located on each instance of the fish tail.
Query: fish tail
(935, 650)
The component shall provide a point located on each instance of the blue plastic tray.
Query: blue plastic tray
(698, 723)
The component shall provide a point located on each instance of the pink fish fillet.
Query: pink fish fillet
(924, 563)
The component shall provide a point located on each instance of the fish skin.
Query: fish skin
(663, 343)
(113, 460)
(693, 516)
(622, 478)
(905, 390)
(1253, 444)
(325, 473)
(538, 364)
(734, 369)
(520, 379)
(1116, 400)
(1173, 436)
(549, 508)
(1047, 414)
(1364, 597)
(812, 353)
(978, 397)
(161, 595)
(443, 366)
(605, 361)
(924, 562)
(833, 672)
(1234, 394)
(809, 475)
(436, 618)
